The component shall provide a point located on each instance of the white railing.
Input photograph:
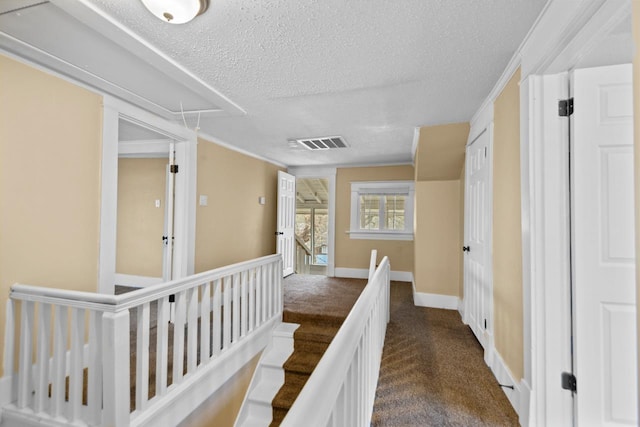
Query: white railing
(81, 342)
(303, 257)
(341, 390)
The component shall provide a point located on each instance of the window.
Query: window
(382, 210)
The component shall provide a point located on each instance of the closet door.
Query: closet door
(477, 260)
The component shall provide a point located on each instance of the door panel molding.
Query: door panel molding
(605, 339)
(286, 219)
(478, 262)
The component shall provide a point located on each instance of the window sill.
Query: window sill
(379, 235)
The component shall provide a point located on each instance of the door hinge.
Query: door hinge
(485, 323)
(565, 107)
(173, 169)
(569, 382)
(485, 151)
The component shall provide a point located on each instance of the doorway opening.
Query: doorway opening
(145, 199)
(312, 226)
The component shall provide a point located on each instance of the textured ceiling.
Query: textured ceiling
(370, 71)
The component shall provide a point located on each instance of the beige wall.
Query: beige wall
(221, 408)
(50, 148)
(354, 253)
(440, 209)
(139, 247)
(437, 251)
(507, 229)
(636, 129)
(233, 227)
(440, 155)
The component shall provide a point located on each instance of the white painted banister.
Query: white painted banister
(372, 264)
(341, 390)
(73, 364)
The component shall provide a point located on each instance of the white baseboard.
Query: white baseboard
(461, 309)
(402, 276)
(504, 377)
(136, 281)
(363, 273)
(422, 299)
(352, 273)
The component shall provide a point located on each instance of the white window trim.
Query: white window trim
(385, 187)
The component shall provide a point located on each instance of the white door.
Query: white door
(285, 242)
(477, 260)
(603, 247)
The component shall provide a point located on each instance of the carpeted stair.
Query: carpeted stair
(311, 340)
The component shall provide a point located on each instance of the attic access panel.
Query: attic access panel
(83, 44)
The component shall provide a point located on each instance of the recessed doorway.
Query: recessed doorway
(312, 226)
(145, 200)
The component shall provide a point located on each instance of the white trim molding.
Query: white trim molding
(360, 188)
(564, 34)
(505, 379)
(328, 173)
(424, 299)
(447, 302)
(363, 273)
(115, 110)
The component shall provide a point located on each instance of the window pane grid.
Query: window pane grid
(370, 212)
(394, 211)
(382, 210)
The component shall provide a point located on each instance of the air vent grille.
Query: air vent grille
(324, 143)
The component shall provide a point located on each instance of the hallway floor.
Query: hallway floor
(433, 371)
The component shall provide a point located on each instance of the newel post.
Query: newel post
(115, 369)
(372, 263)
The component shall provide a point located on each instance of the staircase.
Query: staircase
(267, 379)
(311, 340)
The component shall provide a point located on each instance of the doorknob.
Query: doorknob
(279, 233)
(466, 249)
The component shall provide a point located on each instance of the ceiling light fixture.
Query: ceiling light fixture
(176, 11)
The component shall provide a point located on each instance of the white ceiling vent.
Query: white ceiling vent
(324, 143)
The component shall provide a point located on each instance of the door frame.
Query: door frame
(329, 174)
(545, 201)
(147, 149)
(185, 207)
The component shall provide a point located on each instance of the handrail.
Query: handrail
(356, 349)
(91, 336)
(104, 302)
(303, 245)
